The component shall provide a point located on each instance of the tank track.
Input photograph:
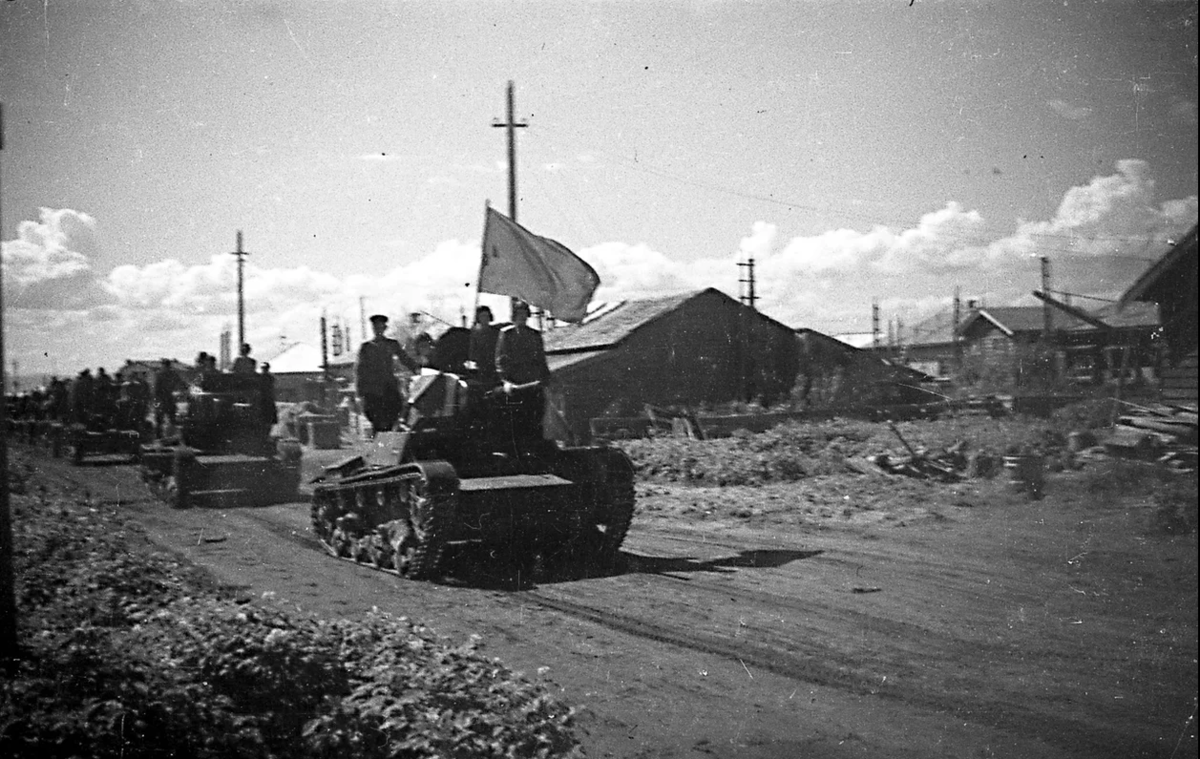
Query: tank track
(621, 510)
(617, 502)
(394, 521)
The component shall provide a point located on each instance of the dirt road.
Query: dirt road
(970, 623)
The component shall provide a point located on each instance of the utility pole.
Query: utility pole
(747, 296)
(875, 324)
(1047, 309)
(241, 256)
(362, 318)
(8, 577)
(954, 339)
(511, 125)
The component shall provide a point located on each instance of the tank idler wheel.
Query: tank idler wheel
(405, 549)
(175, 493)
(419, 545)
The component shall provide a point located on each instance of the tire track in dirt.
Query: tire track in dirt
(807, 651)
(691, 613)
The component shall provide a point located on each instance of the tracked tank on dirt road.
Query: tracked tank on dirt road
(222, 452)
(461, 471)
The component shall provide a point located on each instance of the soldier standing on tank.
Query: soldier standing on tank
(482, 349)
(243, 364)
(270, 415)
(375, 376)
(82, 397)
(166, 382)
(104, 398)
(521, 366)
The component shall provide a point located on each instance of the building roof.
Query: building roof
(297, 358)
(1161, 271)
(1015, 319)
(936, 330)
(1133, 315)
(853, 339)
(609, 325)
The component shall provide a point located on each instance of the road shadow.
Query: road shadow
(756, 558)
(488, 569)
(105, 460)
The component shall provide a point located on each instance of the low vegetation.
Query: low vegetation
(127, 653)
(797, 450)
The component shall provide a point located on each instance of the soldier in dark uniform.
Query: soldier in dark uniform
(270, 414)
(166, 382)
(244, 364)
(375, 376)
(482, 350)
(521, 366)
(82, 397)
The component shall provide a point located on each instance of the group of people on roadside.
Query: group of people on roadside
(127, 400)
(512, 358)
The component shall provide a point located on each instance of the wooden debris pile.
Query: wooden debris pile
(1164, 432)
(950, 464)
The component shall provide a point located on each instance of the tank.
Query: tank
(222, 452)
(111, 433)
(461, 471)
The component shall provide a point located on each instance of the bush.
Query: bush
(796, 450)
(127, 653)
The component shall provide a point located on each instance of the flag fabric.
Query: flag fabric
(540, 271)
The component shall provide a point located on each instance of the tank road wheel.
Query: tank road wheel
(418, 540)
(179, 485)
(323, 511)
(77, 446)
(614, 510)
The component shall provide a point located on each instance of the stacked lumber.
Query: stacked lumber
(1164, 431)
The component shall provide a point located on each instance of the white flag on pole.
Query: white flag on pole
(540, 271)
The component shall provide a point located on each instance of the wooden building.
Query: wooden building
(690, 350)
(1171, 284)
(836, 375)
(1006, 347)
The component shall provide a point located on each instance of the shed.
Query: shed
(686, 350)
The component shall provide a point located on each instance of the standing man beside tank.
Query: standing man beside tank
(375, 376)
(521, 366)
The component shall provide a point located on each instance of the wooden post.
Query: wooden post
(8, 595)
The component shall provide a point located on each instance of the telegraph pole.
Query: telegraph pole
(510, 125)
(748, 296)
(954, 330)
(1047, 309)
(874, 324)
(8, 577)
(241, 256)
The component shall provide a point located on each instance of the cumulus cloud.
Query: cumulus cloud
(49, 264)
(60, 305)
(1098, 238)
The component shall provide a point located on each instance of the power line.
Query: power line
(639, 165)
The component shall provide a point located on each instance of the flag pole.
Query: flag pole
(487, 206)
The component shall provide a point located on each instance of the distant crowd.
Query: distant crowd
(127, 400)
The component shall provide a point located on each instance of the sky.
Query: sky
(860, 151)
